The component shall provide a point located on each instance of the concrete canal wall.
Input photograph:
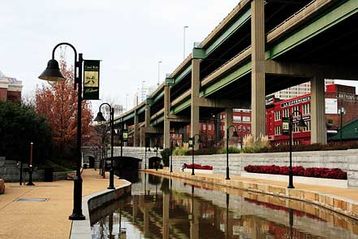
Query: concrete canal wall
(347, 160)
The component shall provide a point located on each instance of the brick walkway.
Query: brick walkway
(49, 219)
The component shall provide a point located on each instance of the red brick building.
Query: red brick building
(10, 89)
(212, 131)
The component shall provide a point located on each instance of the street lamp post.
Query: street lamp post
(171, 156)
(53, 73)
(100, 118)
(30, 183)
(234, 134)
(192, 144)
(124, 136)
(159, 62)
(184, 29)
(341, 112)
(301, 125)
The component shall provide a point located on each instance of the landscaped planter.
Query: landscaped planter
(340, 183)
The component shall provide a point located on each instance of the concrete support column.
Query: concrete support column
(194, 101)
(318, 122)
(258, 69)
(135, 132)
(166, 131)
(228, 122)
(147, 116)
(166, 215)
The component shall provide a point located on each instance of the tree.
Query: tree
(19, 126)
(58, 104)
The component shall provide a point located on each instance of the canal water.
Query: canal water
(171, 208)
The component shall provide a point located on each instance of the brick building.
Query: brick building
(212, 130)
(10, 88)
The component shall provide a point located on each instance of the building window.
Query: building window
(246, 119)
(236, 118)
(204, 126)
(278, 130)
(209, 127)
(277, 115)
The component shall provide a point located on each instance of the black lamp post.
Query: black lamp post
(100, 118)
(53, 73)
(192, 145)
(341, 112)
(301, 125)
(124, 136)
(30, 183)
(234, 134)
(171, 156)
(145, 153)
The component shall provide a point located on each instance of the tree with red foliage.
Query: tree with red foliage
(58, 104)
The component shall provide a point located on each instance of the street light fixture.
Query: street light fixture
(234, 134)
(184, 29)
(287, 123)
(100, 118)
(192, 145)
(53, 73)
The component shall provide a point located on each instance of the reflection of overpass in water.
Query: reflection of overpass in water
(190, 212)
(261, 47)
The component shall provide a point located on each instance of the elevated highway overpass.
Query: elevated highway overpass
(259, 48)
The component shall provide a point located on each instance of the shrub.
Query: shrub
(335, 173)
(251, 145)
(165, 156)
(180, 151)
(232, 149)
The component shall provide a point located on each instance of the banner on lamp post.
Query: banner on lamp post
(91, 80)
(285, 125)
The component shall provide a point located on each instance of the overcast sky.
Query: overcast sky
(130, 37)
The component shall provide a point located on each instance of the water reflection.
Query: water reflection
(165, 208)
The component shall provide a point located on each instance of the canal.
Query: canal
(171, 208)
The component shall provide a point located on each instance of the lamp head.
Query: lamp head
(99, 117)
(234, 134)
(301, 124)
(52, 72)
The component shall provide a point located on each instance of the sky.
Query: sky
(130, 37)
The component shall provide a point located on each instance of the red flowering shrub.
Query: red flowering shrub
(334, 173)
(198, 166)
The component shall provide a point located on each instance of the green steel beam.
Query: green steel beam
(242, 71)
(141, 110)
(128, 117)
(160, 95)
(180, 107)
(326, 21)
(245, 17)
(182, 75)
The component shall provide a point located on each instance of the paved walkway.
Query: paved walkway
(49, 219)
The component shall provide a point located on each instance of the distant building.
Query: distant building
(294, 91)
(10, 88)
(336, 97)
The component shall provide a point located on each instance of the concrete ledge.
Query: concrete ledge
(339, 183)
(335, 203)
(82, 229)
(204, 171)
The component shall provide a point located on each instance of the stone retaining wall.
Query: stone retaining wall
(347, 160)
